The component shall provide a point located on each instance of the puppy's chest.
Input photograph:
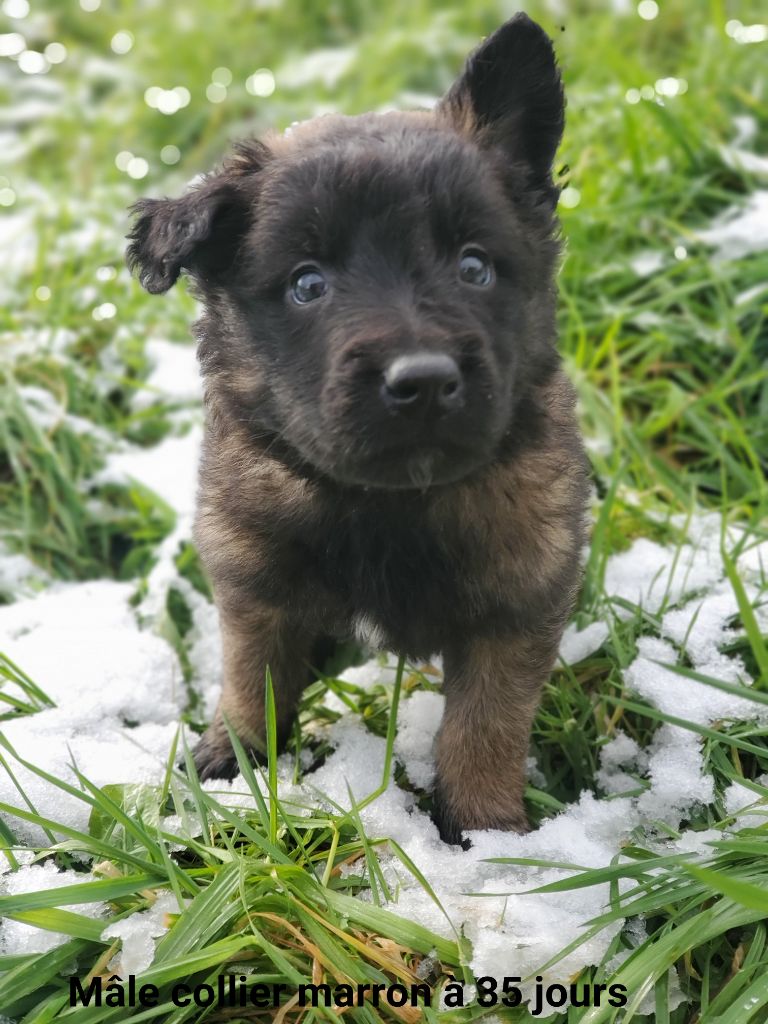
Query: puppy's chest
(399, 582)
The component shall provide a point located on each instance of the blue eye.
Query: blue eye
(475, 268)
(307, 284)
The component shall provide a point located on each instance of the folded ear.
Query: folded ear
(510, 96)
(201, 231)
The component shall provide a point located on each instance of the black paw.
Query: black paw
(447, 824)
(215, 759)
(451, 824)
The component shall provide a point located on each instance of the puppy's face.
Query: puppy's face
(378, 290)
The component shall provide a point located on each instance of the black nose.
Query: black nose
(423, 380)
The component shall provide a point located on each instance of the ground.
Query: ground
(648, 781)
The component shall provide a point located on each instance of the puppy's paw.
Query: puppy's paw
(451, 822)
(450, 831)
(214, 757)
(448, 824)
(214, 761)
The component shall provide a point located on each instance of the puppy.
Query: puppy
(391, 445)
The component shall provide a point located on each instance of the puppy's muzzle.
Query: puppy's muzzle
(425, 383)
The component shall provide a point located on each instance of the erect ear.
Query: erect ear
(201, 231)
(510, 96)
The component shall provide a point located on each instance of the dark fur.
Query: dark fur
(318, 503)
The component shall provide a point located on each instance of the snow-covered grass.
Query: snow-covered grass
(648, 771)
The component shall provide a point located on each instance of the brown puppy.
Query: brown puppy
(391, 445)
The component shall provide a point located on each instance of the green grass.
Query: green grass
(673, 390)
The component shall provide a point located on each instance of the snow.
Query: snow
(658, 578)
(19, 574)
(616, 756)
(746, 129)
(118, 693)
(748, 806)
(578, 644)
(651, 575)
(377, 670)
(15, 936)
(19, 245)
(644, 264)
(677, 695)
(34, 341)
(746, 297)
(174, 376)
(326, 66)
(744, 160)
(417, 723)
(535, 926)
(46, 412)
(169, 469)
(739, 231)
(621, 750)
(736, 156)
(137, 934)
(701, 627)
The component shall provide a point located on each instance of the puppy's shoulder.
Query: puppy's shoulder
(247, 498)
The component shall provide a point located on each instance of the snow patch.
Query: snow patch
(19, 575)
(578, 644)
(17, 938)
(168, 468)
(174, 376)
(749, 807)
(118, 693)
(417, 724)
(326, 66)
(741, 230)
(137, 934)
(644, 264)
(651, 576)
(744, 160)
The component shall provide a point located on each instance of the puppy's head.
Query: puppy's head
(378, 290)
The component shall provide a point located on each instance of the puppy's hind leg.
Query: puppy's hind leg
(492, 688)
(254, 637)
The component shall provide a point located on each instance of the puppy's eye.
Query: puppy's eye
(475, 268)
(307, 284)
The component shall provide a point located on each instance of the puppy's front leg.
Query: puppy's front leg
(254, 636)
(492, 688)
